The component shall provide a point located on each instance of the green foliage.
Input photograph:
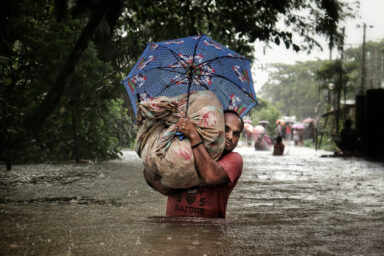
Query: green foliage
(374, 66)
(90, 120)
(329, 71)
(293, 88)
(236, 24)
(265, 111)
(327, 141)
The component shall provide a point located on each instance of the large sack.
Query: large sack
(165, 156)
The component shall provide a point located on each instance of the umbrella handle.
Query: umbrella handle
(181, 136)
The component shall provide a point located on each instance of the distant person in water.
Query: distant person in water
(278, 147)
(348, 138)
(296, 137)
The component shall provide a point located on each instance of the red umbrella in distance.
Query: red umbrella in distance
(263, 122)
(298, 126)
(248, 128)
(308, 120)
(258, 129)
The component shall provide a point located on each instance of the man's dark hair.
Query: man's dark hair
(237, 114)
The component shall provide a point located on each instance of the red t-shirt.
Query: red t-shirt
(207, 201)
(288, 129)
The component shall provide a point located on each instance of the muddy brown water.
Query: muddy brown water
(297, 204)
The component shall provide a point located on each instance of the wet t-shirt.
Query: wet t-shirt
(207, 201)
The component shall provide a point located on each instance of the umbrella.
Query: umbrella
(298, 126)
(263, 122)
(258, 129)
(248, 128)
(176, 67)
(281, 121)
(308, 120)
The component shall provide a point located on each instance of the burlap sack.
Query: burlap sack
(165, 156)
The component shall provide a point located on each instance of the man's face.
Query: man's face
(232, 131)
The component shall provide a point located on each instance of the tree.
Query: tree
(293, 88)
(31, 58)
(104, 9)
(374, 65)
(329, 72)
(235, 24)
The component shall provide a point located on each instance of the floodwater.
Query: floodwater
(297, 204)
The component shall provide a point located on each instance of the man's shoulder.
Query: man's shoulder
(232, 164)
(232, 159)
(232, 156)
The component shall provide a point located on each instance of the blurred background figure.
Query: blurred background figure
(262, 141)
(278, 147)
(309, 131)
(288, 131)
(248, 132)
(295, 137)
(348, 138)
(280, 124)
(263, 123)
(298, 133)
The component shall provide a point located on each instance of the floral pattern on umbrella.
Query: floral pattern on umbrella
(196, 63)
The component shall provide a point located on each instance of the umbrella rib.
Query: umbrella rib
(190, 77)
(194, 50)
(222, 57)
(173, 71)
(163, 68)
(223, 77)
(169, 85)
(160, 67)
(202, 84)
(178, 59)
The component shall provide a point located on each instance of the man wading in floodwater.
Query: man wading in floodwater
(220, 177)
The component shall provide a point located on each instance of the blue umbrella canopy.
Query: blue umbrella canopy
(180, 66)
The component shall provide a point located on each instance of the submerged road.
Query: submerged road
(297, 204)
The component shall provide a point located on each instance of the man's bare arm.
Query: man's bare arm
(211, 172)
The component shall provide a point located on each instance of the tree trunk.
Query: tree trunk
(74, 130)
(37, 118)
(8, 157)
